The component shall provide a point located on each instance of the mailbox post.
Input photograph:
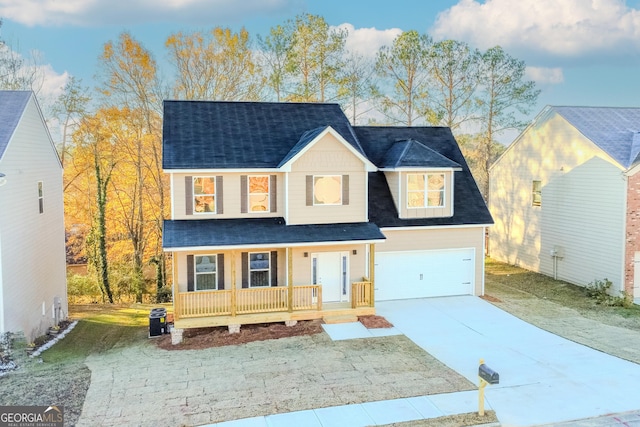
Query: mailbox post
(486, 375)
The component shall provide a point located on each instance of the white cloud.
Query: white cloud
(542, 75)
(124, 12)
(568, 28)
(367, 41)
(52, 82)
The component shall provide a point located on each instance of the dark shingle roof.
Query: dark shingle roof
(469, 206)
(264, 231)
(225, 135)
(614, 130)
(12, 105)
(411, 153)
(305, 140)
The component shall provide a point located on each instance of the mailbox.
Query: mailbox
(488, 374)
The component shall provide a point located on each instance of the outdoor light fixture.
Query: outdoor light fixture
(3, 179)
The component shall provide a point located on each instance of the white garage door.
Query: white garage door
(421, 274)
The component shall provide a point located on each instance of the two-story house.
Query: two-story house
(33, 282)
(285, 212)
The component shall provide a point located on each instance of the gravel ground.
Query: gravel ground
(209, 385)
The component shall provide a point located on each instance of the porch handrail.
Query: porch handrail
(204, 303)
(253, 300)
(361, 294)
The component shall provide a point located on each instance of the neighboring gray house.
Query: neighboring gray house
(33, 290)
(565, 197)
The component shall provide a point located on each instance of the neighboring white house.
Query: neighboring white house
(33, 289)
(565, 197)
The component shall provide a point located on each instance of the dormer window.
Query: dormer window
(425, 190)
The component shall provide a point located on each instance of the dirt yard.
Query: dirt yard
(110, 350)
(217, 337)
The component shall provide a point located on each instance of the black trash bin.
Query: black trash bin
(157, 322)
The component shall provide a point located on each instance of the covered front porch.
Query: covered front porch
(322, 272)
(274, 304)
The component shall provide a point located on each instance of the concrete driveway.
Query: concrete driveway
(543, 378)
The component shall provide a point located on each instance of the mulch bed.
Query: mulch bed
(374, 322)
(490, 298)
(198, 338)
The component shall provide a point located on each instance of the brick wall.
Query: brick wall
(632, 244)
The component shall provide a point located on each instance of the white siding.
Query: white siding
(327, 157)
(33, 251)
(582, 210)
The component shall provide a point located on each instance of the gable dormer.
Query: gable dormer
(326, 179)
(420, 179)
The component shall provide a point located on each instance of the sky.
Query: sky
(579, 52)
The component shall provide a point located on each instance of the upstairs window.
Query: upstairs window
(536, 193)
(425, 190)
(204, 194)
(259, 193)
(327, 190)
(40, 197)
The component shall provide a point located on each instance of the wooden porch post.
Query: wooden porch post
(290, 278)
(233, 283)
(176, 288)
(372, 263)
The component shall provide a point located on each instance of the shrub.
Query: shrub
(599, 290)
(82, 287)
(164, 294)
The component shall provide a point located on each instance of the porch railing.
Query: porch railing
(361, 294)
(247, 301)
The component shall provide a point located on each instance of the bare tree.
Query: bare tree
(314, 58)
(454, 83)
(504, 98)
(356, 81)
(403, 69)
(70, 107)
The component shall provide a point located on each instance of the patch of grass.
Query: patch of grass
(99, 329)
(62, 378)
(517, 283)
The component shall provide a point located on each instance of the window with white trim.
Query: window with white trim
(536, 193)
(204, 194)
(327, 190)
(259, 269)
(258, 193)
(425, 190)
(206, 272)
(40, 197)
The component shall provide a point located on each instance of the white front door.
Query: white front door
(330, 269)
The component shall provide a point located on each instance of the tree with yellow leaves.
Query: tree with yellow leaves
(214, 65)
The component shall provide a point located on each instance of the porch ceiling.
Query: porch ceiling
(274, 232)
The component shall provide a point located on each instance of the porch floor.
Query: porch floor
(329, 311)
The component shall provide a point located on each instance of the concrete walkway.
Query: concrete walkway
(544, 379)
(369, 414)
